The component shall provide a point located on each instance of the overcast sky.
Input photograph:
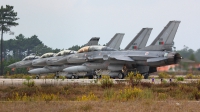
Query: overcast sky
(64, 23)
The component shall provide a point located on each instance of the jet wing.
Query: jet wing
(156, 59)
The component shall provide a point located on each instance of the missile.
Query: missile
(39, 71)
(74, 69)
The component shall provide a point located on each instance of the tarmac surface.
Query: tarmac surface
(84, 81)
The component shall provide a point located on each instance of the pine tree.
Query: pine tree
(7, 19)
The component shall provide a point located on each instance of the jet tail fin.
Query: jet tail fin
(116, 41)
(167, 35)
(93, 41)
(164, 41)
(140, 39)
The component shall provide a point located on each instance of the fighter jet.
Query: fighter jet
(26, 62)
(54, 66)
(121, 62)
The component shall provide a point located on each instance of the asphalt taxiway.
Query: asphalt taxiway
(85, 81)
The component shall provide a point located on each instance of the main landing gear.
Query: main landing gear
(56, 75)
(146, 75)
(74, 77)
(37, 77)
(121, 75)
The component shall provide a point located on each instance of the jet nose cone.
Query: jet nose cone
(65, 70)
(12, 65)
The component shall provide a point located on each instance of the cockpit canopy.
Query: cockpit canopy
(46, 55)
(95, 48)
(31, 57)
(65, 52)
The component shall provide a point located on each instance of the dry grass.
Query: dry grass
(101, 106)
(74, 97)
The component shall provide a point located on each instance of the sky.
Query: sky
(64, 23)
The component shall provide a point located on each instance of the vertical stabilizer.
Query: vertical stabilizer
(167, 35)
(93, 41)
(140, 39)
(164, 41)
(116, 41)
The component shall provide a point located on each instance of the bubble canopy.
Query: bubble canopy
(46, 55)
(30, 58)
(65, 52)
(95, 48)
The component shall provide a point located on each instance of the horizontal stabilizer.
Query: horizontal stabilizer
(156, 59)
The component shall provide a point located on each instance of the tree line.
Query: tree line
(22, 46)
(189, 53)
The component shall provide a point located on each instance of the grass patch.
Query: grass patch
(106, 82)
(95, 92)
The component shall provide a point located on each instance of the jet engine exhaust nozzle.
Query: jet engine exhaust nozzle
(173, 58)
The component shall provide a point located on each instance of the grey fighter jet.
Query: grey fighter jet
(121, 62)
(54, 66)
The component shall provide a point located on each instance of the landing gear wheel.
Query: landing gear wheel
(56, 77)
(37, 77)
(146, 75)
(72, 77)
(99, 76)
(76, 77)
(90, 76)
(95, 77)
(120, 75)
